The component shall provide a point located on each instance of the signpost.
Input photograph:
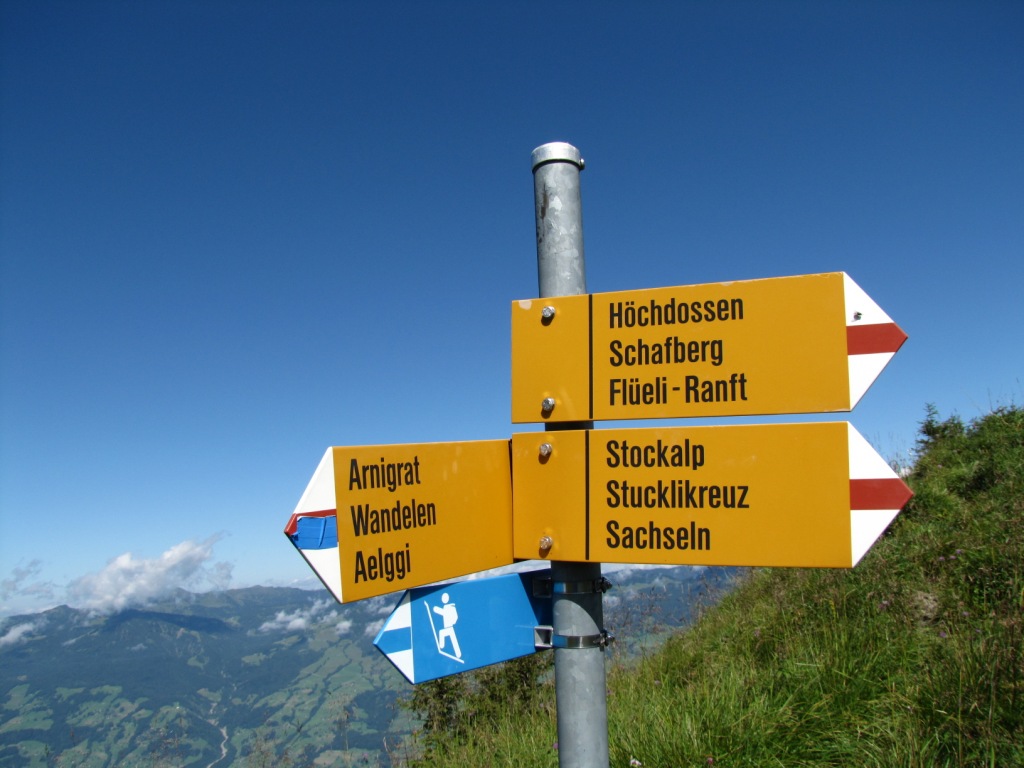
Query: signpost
(443, 630)
(806, 344)
(378, 519)
(799, 495)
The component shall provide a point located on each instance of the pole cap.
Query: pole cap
(556, 151)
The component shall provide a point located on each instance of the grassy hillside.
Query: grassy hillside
(914, 658)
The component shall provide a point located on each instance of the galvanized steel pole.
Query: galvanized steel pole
(580, 688)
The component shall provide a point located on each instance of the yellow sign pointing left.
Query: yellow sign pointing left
(376, 519)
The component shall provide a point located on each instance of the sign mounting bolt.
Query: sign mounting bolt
(545, 450)
(547, 404)
(546, 543)
(547, 314)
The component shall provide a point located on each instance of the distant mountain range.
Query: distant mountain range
(246, 677)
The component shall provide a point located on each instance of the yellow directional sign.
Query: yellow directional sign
(376, 519)
(803, 495)
(806, 344)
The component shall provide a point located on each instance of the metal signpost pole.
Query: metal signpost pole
(578, 632)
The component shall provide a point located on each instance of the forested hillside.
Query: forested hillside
(247, 678)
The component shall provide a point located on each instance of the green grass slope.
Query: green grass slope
(914, 658)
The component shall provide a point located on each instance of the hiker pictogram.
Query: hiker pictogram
(449, 616)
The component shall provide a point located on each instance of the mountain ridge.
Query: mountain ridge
(219, 678)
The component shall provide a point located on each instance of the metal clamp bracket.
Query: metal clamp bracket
(549, 588)
(545, 637)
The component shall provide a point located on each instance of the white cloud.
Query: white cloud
(128, 581)
(627, 570)
(22, 588)
(301, 618)
(381, 605)
(344, 627)
(17, 633)
(20, 574)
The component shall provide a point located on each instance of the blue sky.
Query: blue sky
(233, 234)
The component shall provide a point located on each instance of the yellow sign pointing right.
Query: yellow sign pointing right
(805, 344)
(801, 495)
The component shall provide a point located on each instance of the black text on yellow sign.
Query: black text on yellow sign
(769, 346)
(753, 495)
(410, 515)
